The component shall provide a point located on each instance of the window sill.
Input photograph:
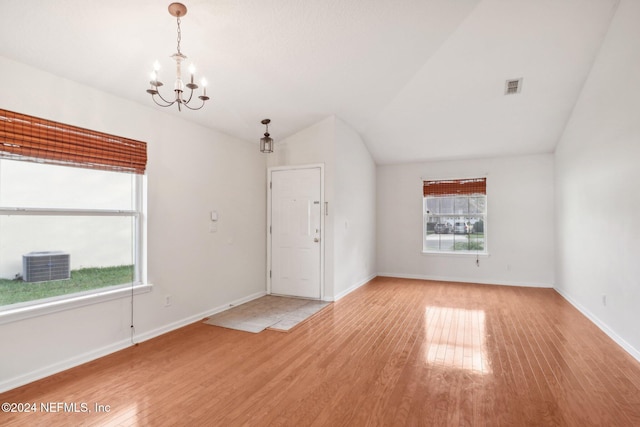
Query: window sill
(456, 254)
(35, 310)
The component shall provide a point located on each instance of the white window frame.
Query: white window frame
(28, 309)
(461, 253)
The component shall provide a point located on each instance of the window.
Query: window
(454, 216)
(70, 192)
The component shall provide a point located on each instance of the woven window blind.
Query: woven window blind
(29, 138)
(455, 187)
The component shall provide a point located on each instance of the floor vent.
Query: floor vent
(45, 266)
(513, 86)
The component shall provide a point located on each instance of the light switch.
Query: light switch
(214, 215)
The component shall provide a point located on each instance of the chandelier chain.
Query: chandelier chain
(179, 35)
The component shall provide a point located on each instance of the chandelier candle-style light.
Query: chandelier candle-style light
(178, 10)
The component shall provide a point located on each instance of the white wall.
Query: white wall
(354, 216)
(597, 176)
(191, 171)
(520, 226)
(350, 192)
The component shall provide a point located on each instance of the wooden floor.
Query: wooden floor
(393, 353)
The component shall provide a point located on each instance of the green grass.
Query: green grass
(468, 246)
(85, 279)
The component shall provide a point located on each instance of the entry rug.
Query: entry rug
(272, 312)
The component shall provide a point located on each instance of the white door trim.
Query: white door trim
(323, 214)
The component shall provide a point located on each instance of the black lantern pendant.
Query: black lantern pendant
(266, 143)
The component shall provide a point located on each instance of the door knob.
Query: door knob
(316, 240)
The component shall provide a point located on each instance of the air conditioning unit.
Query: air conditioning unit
(45, 266)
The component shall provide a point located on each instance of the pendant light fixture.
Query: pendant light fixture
(266, 143)
(178, 10)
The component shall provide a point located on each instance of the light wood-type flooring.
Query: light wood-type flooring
(395, 352)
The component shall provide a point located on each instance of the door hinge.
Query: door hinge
(270, 184)
(269, 274)
(269, 229)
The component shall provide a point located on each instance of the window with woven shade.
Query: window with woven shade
(454, 215)
(71, 194)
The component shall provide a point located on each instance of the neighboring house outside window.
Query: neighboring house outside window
(455, 216)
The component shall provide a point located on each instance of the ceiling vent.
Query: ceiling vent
(513, 86)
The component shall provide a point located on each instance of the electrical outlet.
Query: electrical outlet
(167, 300)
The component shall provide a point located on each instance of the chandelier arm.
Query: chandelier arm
(166, 103)
(194, 108)
(177, 98)
(190, 96)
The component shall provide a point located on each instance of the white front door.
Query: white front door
(295, 232)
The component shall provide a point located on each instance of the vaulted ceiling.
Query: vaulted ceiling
(418, 79)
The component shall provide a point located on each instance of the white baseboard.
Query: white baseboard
(467, 280)
(354, 287)
(600, 324)
(195, 318)
(55, 368)
(77, 360)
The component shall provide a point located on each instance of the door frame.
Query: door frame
(323, 213)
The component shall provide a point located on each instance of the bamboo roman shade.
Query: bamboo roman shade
(32, 139)
(455, 187)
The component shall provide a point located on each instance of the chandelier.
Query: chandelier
(178, 10)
